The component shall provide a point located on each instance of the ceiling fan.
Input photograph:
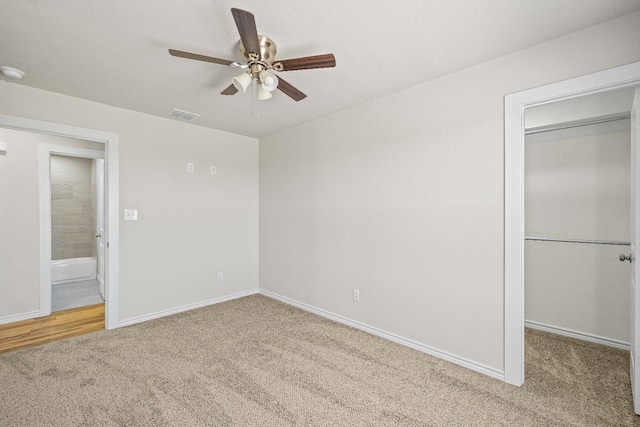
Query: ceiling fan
(258, 53)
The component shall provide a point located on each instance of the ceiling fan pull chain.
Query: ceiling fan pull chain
(255, 105)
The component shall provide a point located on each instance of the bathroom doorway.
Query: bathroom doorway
(71, 182)
(77, 226)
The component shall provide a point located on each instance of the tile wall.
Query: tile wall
(73, 207)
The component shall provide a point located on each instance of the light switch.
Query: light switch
(130, 214)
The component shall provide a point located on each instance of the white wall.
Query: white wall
(190, 226)
(403, 198)
(577, 187)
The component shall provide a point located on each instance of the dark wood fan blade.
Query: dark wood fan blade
(246, 23)
(307, 62)
(291, 91)
(197, 57)
(231, 90)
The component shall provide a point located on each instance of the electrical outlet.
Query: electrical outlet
(356, 295)
(220, 277)
(212, 169)
(130, 214)
(190, 167)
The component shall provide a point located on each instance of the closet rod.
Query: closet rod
(578, 123)
(592, 242)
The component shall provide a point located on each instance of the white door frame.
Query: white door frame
(112, 185)
(514, 126)
(634, 369)
(100, 227)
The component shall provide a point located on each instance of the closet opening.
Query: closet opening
(577, 186)
(518, 107)
(577, 191)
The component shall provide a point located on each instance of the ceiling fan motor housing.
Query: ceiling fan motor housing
(267, 51)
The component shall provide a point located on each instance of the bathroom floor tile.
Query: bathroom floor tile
(76, 294)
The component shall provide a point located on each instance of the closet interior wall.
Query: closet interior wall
(577, 183)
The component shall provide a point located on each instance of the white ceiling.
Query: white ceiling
(115, 52)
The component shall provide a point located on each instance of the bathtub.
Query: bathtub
(73, 270)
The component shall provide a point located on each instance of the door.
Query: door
(633, 257)
(100, 232)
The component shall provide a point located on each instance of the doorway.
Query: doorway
(515, 107)
(77, 222)
(577, 205)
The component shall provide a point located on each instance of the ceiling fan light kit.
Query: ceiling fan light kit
(263, 94)
(268, 81)
(258, 53)
(242, 82)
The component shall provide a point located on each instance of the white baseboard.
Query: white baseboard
(18, 317)
(579, 335)
(176, 310)
(494, 373)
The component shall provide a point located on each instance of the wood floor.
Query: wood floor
(59, 325)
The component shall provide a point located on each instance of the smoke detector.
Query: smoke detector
(12, 73)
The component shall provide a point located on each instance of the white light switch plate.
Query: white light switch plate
(130, 214)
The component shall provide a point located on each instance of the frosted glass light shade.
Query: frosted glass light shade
(242, 82)
(263, 94)
(269, 81)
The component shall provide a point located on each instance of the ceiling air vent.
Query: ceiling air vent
(183, 115)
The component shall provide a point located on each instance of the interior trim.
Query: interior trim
(18, 317)
(466, 363)
(578, 335)
(183, 308)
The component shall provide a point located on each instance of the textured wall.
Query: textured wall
(73, 209)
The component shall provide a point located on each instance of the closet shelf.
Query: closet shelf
(591, 242)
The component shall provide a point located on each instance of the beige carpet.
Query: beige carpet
(258, 362)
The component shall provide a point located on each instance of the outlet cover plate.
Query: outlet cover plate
(130, 214)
